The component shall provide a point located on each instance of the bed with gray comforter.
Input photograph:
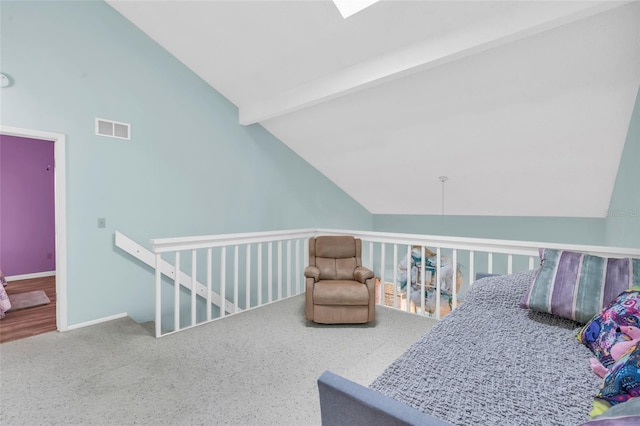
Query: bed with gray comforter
(491, 362)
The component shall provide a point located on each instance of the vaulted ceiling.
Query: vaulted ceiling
(523, 105)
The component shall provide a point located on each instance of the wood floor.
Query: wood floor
(31, 321)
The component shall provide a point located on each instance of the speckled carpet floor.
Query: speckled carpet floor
(255, 368)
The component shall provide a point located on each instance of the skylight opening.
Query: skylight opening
(351, 7)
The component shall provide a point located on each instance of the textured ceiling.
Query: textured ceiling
(524, 105)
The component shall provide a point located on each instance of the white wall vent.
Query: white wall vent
(113, 129)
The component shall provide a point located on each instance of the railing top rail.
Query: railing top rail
(161, 245)
(480, 244)
(527, 248)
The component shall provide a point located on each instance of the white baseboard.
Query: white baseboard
(96, 321)
(30, 276)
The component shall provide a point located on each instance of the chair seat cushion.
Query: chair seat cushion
(340, 292)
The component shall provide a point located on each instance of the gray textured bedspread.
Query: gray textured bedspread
(493, 363)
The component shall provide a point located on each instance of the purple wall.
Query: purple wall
(27, 206)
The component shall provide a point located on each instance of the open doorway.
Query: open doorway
(27, 237)
(60, 214)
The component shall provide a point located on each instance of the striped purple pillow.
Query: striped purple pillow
(577, 286)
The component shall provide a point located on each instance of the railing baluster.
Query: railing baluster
(236, 276)
(223, 280)
(382, 272)
(490, 262)
(194, 274)
(247, 289)
(370, 265)
(471, 268)
(158, 295)
(270, 271)
(209, 282)
(304, 260)
(454, 283)
(423, 272)
(531, 262)
(409, 277)
(298, 275)
(288, 267)
(395, 273)
(510, 264)
(438, 275)
(259, 274)
(279, 269)
(176, 293)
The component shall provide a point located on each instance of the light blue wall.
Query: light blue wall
(623, 218)
(189, 169)
(521, 228)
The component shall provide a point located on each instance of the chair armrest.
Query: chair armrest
(362, 274)
(312, 272)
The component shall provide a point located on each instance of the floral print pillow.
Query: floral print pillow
(622, 382)
(602, 331)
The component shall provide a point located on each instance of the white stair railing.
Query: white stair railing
(167, 269)
(222, 275)
(502, 257)
(229, 274)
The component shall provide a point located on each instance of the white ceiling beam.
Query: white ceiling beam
(414, 58)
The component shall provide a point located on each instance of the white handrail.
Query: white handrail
(480, 244)
(162, 245)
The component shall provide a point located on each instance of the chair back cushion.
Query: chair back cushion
(336, 247)
(335, 256)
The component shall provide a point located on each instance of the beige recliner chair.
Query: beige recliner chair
(339, 289)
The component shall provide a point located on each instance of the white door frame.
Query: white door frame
(59, 152)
